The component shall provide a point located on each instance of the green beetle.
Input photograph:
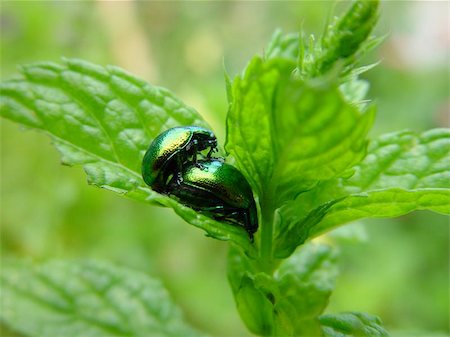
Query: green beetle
(217, 190)
(172, 149)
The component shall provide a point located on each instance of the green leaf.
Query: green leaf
(249, 120)
(291, 134)
(402, 172)
(101, 118)
(405, 160)
(306, 281)
(255, 307)
(318, 134)
(254, 300)
(297, 118)
(390, 203)
(287, 303)
(104, 119)
(352, 324)
(86, 298)
(294, 231)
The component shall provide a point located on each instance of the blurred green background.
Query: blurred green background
(397, 269)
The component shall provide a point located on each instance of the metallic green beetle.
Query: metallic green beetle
(217, 190)
(173, 149)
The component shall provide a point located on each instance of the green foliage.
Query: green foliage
(297, 142)
(104, 119)
(352, 324)
(338, 50)
(402, 172)
(86, 298)
(297, 128)
(288, 303)
(347, 37)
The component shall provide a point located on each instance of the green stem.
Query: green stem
(267, 216)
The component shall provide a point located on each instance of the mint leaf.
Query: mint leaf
(287, 139)
(101, 118)
(287, 136)
(249, 120)
(382, 204)
(104, 119)
(310, 147)
(405, 160)
(297, 118)
(255, 306)
(253, 292)
(86, 298)
(402, 172)
(306, 281)
(352, 324)
(287, 303)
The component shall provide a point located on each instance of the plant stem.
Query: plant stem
(267, 216)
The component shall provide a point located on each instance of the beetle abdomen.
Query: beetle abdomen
(226, 182)
(219, 190)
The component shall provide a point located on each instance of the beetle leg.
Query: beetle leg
(178, 178)
(199, 165)
(248, 226)
(235, 215)
(211, 150)
(243, 218)
(194, 157)
(194, 152)
(178, 174)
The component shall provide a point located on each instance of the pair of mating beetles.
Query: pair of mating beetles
(172, 166)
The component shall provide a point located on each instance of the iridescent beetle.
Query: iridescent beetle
(219, 191)
(172, 149)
